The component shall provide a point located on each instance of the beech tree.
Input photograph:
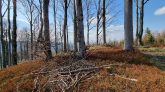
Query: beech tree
(46, 29)
(104, 22)
(140, 34)
(128, 25)
(137, 21)
(98, 9)
(2, 40)
(55, 4)
(140, 20)
(14, 33)
(65, 24)
(80, 28)
(9, 32)
(75, 26)
(40, 36)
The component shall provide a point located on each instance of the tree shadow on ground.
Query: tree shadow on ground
(157, 60)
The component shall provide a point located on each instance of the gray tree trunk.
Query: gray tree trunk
(14, 33)
(104, 22)
(141, 22)
(40, 36)
(9, 34)
(21, 50)
(87, 19)
(1, 29)
(65, 24)
(80, 27)
(98, 22)
(31, 32)
(55, 25)
(46, 29)
(137, 21)
(128, 25)
(75, 28)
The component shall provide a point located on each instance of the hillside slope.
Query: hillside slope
(106, 69)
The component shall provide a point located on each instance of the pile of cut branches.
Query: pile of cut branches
(63, 78)
(66, 78)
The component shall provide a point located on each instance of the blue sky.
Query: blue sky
(154, 19)
(156, 22)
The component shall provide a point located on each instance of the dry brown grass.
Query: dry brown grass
(150, 78)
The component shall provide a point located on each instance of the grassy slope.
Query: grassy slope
(136, 66)
(156, 56)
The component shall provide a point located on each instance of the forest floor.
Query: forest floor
(156, 56)
(106, 69)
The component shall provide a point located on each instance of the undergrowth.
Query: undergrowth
(136, 66)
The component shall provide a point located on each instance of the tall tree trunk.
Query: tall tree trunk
(98, 22)
(97, 30)
(21, 51)
(87, 20)
(65, 24)
(46, 29)
(31, 32)
(137, 21)
(1, 29)
(14, 33)
(67, 38)
(2, 38)
(6, 48)
(104, 23)
(9, 34)
(55, 25)
(141, 22)
(87, 33)
(27, 49)
(75, 27)
(40, 36)
(80, 27)
(128, 25)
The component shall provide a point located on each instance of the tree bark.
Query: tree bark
(46, 29)
(75, 28)
(65, 24)
(31, 32)
(55, 25)
(80, 27)
(98, 22)
(137, 21)
(40, 36)
(9, 34)
(21, 50)
(141, 22)
(2, 37)
(128, 25)
(14, 33)
(104, 22)
(88, 17)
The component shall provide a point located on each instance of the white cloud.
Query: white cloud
(160, 11)
(114, 28)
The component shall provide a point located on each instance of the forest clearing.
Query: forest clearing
(106, 69)
(82, 46)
